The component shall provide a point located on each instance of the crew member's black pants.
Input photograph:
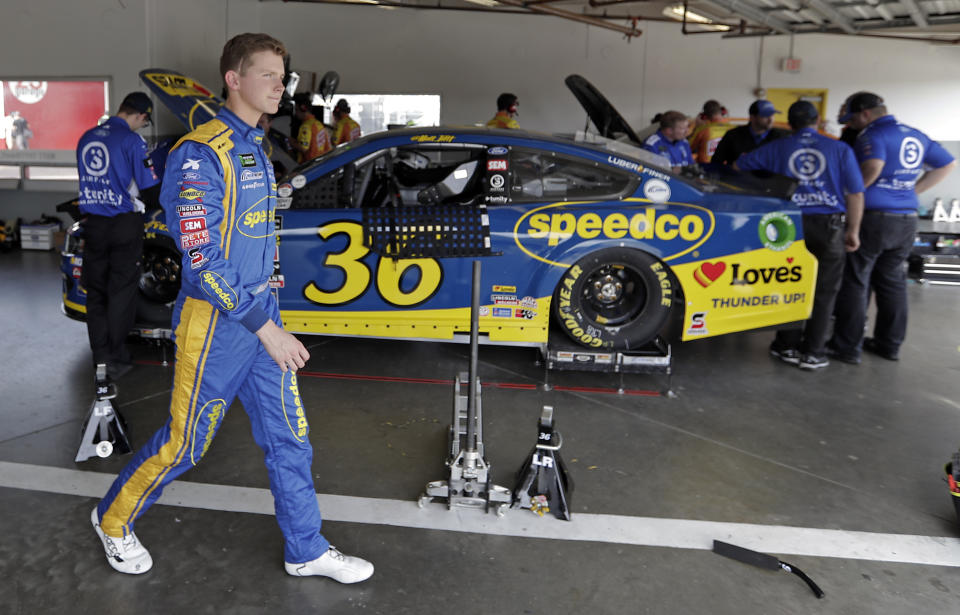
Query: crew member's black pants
(111, 270)
(823, 234)
(885, 243)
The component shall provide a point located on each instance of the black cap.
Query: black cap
(763, 108)
(861, 101)
(342, 106)
(802, 113)
(138, 101)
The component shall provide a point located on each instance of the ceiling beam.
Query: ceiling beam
(916, 13)
(836, 17)
(546, 9)
(751, 12)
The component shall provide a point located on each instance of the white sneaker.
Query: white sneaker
(126, 554)
(335, 565)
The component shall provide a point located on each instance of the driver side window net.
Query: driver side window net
(538, 175)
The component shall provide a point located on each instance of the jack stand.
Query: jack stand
(469, 483)
(543, 484)
(103, 430)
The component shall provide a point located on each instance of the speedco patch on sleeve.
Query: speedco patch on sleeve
(214, 285)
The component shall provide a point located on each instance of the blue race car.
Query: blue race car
(377, 237)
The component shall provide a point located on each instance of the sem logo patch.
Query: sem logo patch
(193, 225)
(497, 165)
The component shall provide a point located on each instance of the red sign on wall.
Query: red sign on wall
(49, 114)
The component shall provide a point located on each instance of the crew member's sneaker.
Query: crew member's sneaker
(335, 565)
(787, 355)
(125, 554)
(811, 361)
(870, 345)
(833, 353)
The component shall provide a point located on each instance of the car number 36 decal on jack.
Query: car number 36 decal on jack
(390, 273)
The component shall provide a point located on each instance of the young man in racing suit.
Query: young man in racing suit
(219, 195)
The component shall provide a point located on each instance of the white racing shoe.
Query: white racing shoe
(333, 564)
(126, 554)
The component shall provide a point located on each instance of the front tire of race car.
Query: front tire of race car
(614, 299)
(159, 282)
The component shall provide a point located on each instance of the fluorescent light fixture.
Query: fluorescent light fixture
(488, 3)
(675, 11)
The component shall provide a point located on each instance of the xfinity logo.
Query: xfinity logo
(191, 164)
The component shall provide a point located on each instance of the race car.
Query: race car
(377, 238)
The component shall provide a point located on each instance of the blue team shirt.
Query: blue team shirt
(678, 152)
(825, 168)
(905, 153)
(113, 166)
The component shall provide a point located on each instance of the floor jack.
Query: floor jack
(103, 429)
(543, 484)
(469, 483)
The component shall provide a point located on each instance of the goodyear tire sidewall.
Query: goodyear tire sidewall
(579, 326)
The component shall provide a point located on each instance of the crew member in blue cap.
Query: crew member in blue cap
(830, 196)
(742, 139)
(898, 163)
(671, 140)
(116, 178)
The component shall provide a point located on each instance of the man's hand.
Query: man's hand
(851, 240)
(282, 347)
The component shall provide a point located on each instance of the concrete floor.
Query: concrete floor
(838, 472)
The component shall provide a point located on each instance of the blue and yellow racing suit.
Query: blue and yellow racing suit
(219, 194)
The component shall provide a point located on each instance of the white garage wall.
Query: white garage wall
(469, 58)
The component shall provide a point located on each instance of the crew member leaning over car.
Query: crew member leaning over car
(116, 178)
(507, 109)
(345, 128)
(670, 141)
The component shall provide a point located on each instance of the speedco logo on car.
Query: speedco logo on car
(684, 226)
(217, 287)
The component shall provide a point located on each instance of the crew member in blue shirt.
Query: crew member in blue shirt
(898, 163)
(830, 196)
(671, 140)
(116, 177)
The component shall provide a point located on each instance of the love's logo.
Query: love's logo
(708, 273)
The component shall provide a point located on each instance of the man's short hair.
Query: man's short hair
(669, 119)
(860, 101)
(505, 101)
(236, 53)
(802, 114)
(712, 108)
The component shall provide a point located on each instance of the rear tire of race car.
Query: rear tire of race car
(159, 282)
(614, 299)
